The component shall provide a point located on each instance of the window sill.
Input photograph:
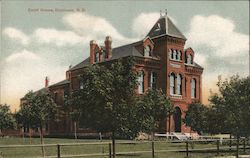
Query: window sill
(180, 61)
(176, 96)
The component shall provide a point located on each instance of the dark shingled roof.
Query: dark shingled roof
(164, 26)
(118, 52)
(60, 83)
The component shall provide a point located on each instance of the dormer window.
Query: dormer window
(189, 59)
(147, 51)
(158, 28)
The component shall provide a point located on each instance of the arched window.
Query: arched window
(193, 88)
(179, 85)
(141, 82)
(189, 59)
(147, 51)
(172, 83)
(170, 53)
(152, 80)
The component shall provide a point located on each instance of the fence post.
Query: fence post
(186, 148)
(218, 147)
(230, 142)
(237, 148)
(110, 154)
(58, 151)
(244, 145)
(153, 150)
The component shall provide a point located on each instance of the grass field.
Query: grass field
(32, 152)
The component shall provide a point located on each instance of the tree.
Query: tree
(153, 107)
(37, 110)
(6, 118)
(232, 104)
(107, 97)
(196, 117)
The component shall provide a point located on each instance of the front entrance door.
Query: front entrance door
(177, 119)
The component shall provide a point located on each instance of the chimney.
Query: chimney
(46, 82)
(92, 51)
(108, 47)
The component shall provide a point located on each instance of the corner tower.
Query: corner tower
(180, 75)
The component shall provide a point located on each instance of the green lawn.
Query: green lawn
(28, 152)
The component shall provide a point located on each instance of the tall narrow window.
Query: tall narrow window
(179, 55)
(141, 82)
(172, 84)
(170, 53)
(179, 85)
(193, 88)
(174, 55)
(152, 80)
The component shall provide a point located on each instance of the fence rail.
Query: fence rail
(239, 144)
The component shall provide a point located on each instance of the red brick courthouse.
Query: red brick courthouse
(163, 63)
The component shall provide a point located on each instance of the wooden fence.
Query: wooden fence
(233, 145)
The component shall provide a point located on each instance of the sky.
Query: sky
(43, 38)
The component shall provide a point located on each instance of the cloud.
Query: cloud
(219, 34)
(59, 37)
(16, 34)
(21, 76)
(144, 22)
(23, 55)
(94, 27)
(200, 58)
(219, 48)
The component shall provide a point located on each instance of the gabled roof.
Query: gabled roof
(118, 52)
(165, 26)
